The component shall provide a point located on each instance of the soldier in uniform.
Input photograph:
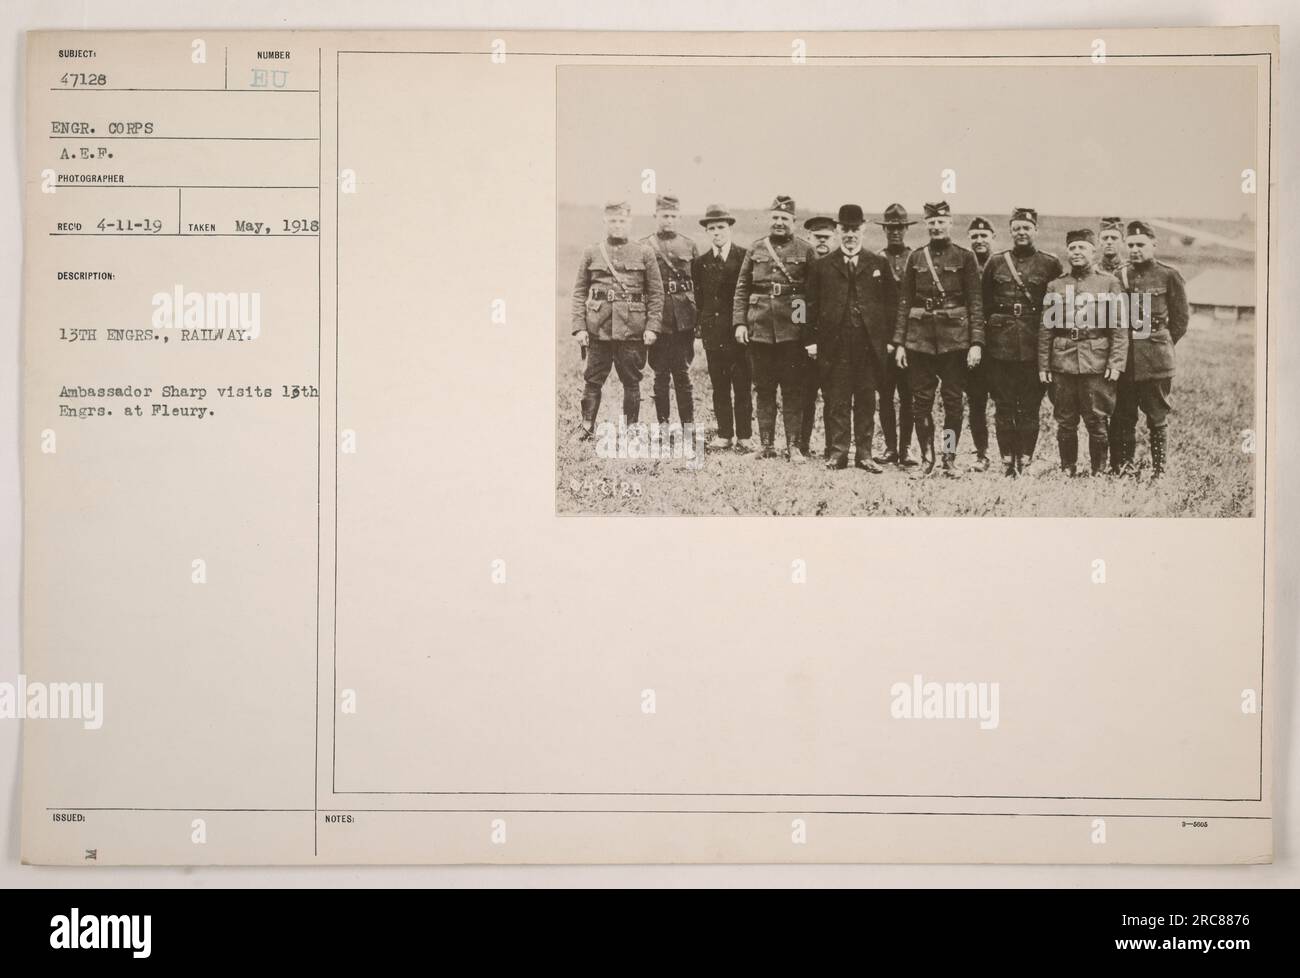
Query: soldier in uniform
(671, 356)
(714, 274)
(617, 303)
(1148, 377)
(981, 236)
(821, 232)
(768, 313)
(1082, 349)
(851, 307)
(1111, 236)
(939, 332)
(895, 426)
(1014, 283)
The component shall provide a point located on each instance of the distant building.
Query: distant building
(1224, 293)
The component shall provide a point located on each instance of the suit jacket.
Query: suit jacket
(715, 291)
(875, 294)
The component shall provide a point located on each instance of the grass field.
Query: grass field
(1209, 473)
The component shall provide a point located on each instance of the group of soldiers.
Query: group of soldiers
(790, 317)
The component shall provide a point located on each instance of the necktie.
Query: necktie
(717, 253)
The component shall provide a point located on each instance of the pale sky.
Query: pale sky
(1066, 139)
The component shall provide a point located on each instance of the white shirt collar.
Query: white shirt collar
(726, 250)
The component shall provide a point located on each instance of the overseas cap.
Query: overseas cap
(783, 204)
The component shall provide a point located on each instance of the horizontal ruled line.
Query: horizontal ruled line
(303, 139)
(99, 88)
(184, 186)
(330, 810)
(173, 234)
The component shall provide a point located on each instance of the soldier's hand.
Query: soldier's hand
(742, 335)
(812, 350)
(889, 348)
(900, 356)
(1112, 374)
(649, 336)
(973, 356)
(583, 337)
(1044, 376)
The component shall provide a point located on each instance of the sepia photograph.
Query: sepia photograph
(930, 290)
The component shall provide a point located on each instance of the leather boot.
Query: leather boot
(1068, 443)
(1159, 450)
(1128, 451)
(766, 413)
(1028, 442)
(1099, 451)
(926, 438)
(631, 405)
(950, 465)
(590, 406)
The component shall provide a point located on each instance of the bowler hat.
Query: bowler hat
(850, 216)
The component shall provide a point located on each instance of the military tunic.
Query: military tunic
(943, 316)
(674, 253)
(622, 303)
(1148, 377)
(1078, 350)
(895, 423)
(938, 320)
(616, 306)
(1110, 263)
(1013, 308)
(770, 303)
(1014, 282)
(768, 287)
(673, 352)
(977, 384)
(1151, 357)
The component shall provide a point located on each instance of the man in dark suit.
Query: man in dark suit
(851, 299)
(714, 272)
